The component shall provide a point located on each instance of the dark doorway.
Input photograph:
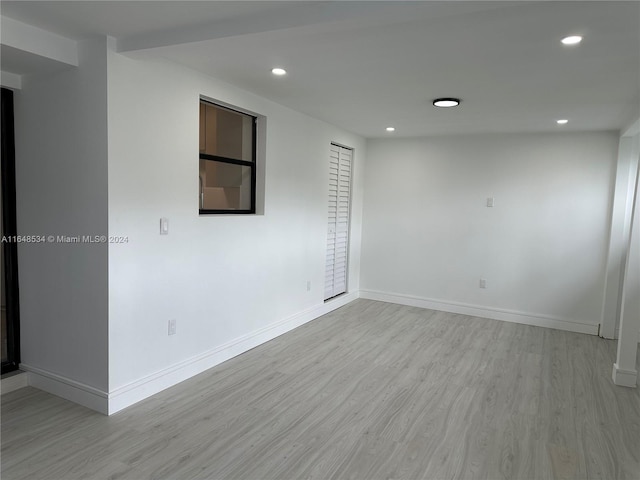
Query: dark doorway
(9, 250)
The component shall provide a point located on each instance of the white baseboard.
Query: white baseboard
(116, 400)
(14, 382)
(624, 378)
(127, 395)
(124, 396)
(483, 312)
(64, 387)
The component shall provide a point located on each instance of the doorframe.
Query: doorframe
(10, 229)
(626, 172)
(348, 261)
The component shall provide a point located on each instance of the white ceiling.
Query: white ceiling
(368, 65)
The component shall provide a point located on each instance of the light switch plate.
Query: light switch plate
(164, 226)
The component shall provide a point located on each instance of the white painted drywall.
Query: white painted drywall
(37, 42)
(622, 208)
(221, 277)
(61, 179)
(10, 80)
(542, 248)
(625, 369)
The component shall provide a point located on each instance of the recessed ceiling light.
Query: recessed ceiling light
(446, 102)
(391, 129)
(564, 121)
(572, 40)
(278, 71)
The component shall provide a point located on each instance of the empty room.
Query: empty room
(407, 246)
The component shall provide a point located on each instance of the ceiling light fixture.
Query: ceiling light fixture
(391, 129)
(572, 40)
(446, 102)
(278, 71)
(564, 121)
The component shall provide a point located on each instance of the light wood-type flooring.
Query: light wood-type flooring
(370, 391)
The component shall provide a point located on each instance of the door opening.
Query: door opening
(9, 246)
(336, 270)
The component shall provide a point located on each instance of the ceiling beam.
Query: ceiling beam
(10, 80)
(290, 16)
(35, 41)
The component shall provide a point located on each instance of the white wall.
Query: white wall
(632, 272)
(61, 177)
(223, 278)
(625, 369)
(621, 213)
(632, 280)
(429, 237)
(622, 208)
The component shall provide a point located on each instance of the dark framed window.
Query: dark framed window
(227, 160)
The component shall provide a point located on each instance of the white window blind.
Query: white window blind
(338, 222)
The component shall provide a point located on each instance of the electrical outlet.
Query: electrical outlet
(490, 202)
(172, 327)
(308, 285)
(483, 283)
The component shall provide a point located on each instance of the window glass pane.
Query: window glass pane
(224, 186)
(225, 133)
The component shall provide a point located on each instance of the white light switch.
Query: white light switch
(164, 226)
(490, 202)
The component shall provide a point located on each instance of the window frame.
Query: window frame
(244, 163)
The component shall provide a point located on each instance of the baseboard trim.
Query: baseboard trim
(624, 378)
(134, 392)
(14, 382)
(483, 312)
(67, 388)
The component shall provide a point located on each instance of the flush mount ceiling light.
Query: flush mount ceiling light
(391, 129)
(564, 121)
(278, 71)
(572, 40)
(446, 102)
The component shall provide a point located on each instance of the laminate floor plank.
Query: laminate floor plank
(370, 391)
